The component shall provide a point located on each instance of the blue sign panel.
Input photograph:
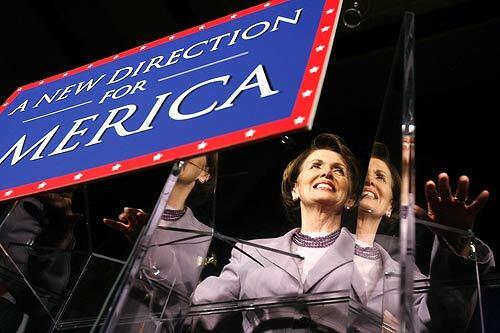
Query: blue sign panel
(242, 77)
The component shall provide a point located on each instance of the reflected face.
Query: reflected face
(194, 168)
(377, 191)
(323, 180)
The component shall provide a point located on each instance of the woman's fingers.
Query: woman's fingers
(479, 202)
(117, 225)
(431, 195)
(462, 189)
(444, 190)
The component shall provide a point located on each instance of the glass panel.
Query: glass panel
(392, 289)
(59, 260)
(375, 282)
(170, 255)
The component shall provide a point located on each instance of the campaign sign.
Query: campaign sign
(242, 77)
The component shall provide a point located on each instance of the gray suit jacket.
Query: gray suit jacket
(244, 279)
(331, 281)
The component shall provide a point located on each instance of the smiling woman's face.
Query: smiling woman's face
(376, 197)
(323, 180)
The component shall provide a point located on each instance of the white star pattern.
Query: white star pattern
(116, 57)
(5, 104)
(320, 48)
(90, 66)
(307, 93)
(249, 133)
(78, 176)
(19, 89)
(42, 185)
(157, 157)
(325, 28)
(41, 82)
(202, 145)
(143, 47)
(329, 11)
(116, 167)
(267, 4)
(314, 69)
(65, 74)
(171, 37)
(298, 120)
(201, 27)
(234, 16)
(8, 193)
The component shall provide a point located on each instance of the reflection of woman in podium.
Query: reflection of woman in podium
(174, 260)
(378, 202)
(317, 187)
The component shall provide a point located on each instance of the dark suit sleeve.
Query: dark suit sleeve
(47, 271)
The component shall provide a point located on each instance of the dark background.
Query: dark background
(457, 81)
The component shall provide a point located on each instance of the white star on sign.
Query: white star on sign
(171, 37)
(157, 157)
(267, 4)
(116, 57)
(143, 47)
(329, 11)
(234, 16)
(41, 82)
(5, 104)
(250, 133)
(19, 89)
(320, 48)
(78, 176)
(314, 69)
(90, 66)
(42, 185)
(65, 74)
(202, 145)
(299, 120)
(201, 27)
(116, 167)
(307, 93)
(325, 28)
(8, 193)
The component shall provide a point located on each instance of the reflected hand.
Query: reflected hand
(451, 210)
(130, 222)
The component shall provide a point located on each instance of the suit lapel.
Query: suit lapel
(339, 254)
(388, 285)
(284, 262)
(385, 284)
(358, 285)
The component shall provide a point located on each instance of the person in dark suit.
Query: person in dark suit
(35, 237)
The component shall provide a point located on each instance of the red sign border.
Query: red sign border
(302, 115)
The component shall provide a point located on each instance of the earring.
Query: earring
(347, 207)
(388, 214)
(295, 197)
